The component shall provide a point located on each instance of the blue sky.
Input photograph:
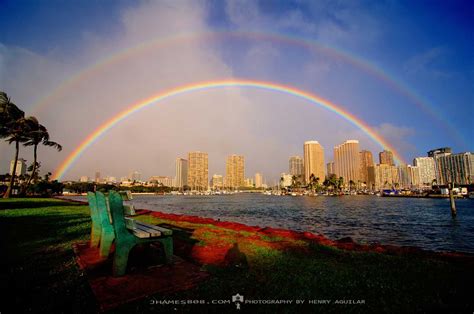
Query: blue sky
(426, 46)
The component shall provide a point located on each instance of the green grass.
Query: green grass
(38, 268)
(39, 274)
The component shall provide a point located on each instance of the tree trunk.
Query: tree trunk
(8, 193)
(33, 170)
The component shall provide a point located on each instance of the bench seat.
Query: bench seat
(143, 230)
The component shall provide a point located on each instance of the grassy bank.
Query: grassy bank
(39, 273)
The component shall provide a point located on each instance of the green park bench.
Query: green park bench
(109, 213)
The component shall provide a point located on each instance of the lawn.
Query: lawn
(39, 273)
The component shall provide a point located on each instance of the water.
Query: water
(425, 223)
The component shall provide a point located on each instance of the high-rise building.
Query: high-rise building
(313, 161)
(20, 167)
(455, 168)
(84, 179)
(386, 158)
(97, 177)
(217, 182)
(427, 170)
(408, 176)
(248, 182)
(366, 161)
(234, 171)
(135, 176)
(296, 166)
(198, 171)
(382, 176)
(414, 172)
(438, 151)
(258, 180)
(346, 161)
(181, 174)
(330, 168)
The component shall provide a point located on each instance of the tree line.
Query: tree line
(17, 129)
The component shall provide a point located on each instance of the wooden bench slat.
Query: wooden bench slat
(143, 230)
(164, 231)
(152, 232)
(140, 233)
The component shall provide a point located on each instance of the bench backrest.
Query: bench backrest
(118, 216)
(93, 207)
(103, 212)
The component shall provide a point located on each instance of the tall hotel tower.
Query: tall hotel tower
(347, 161)
(313, 161)
(198, 171)
(296, 166)
(181, 178)
(366, 161)
(234, 171)
(386, 158)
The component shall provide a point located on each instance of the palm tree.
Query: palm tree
(351, 184)
(311, 181)
(340, 182)
(333, 181)
(315, 182)
(293, 181)
(37, 134)
(12, 126)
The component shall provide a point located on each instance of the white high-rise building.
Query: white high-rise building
(258, 180)
(20, 167)
(296, 167)
(426, 166)
(181, 177)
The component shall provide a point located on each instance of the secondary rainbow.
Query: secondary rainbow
(107, 125)
(333, 52)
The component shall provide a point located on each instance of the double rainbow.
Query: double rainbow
(312, 98)
(382, 75)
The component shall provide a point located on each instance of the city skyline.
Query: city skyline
(412, 91)
(354, 165)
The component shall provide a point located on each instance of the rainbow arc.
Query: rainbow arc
(203, 86)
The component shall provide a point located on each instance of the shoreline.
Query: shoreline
(345, 243)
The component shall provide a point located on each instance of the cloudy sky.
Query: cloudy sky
(406, 68)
